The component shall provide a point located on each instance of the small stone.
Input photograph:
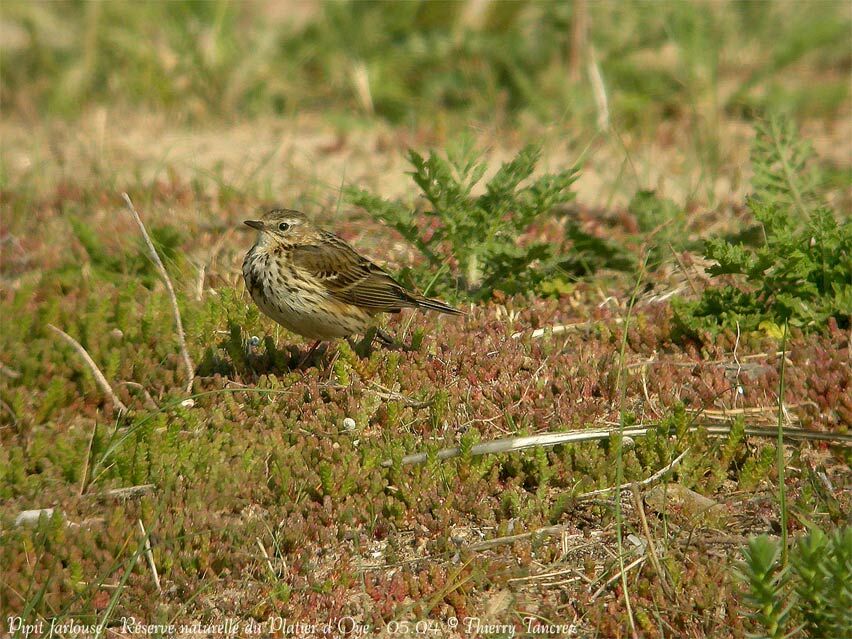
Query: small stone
(31, 517)
(349, 424)
(188, 403)
(636, 541)
(116, 333)
(685, 504)
(627, 443)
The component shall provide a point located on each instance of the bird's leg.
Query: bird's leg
(386, 338)
(329, 369)
(309, 353)
(362, 346)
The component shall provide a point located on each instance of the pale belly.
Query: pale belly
(312, 314)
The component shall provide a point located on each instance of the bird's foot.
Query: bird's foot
(308, 355)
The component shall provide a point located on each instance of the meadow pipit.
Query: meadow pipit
(315, 284)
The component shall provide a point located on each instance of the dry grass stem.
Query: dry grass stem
(560, 328)
(83, 480)
(547, 531)
(130, 492)
(96, 372)
(187, 360)
(645, 482)
(9, 372)
(598, 91)
(149, 401)
(512, 444)
(617, 576)
(652, 550)
(149, 554)
(272, 572)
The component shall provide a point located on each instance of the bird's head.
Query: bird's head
(282, 226)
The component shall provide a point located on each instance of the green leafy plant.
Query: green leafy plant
(477, 243)
(784, 173)
(767, 581)
(813, 591)
(802, 274)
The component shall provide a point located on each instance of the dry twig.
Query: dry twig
(655, 560)
(598, 90)
(630, 485)
(149, 401)
(511, 444)
(187, 360)
(96, 372)
(9, 372)
(616, 577)
(561, 328)
(83, 482)
(275, 575)
(149, 554)
(540, 532)
(129, 492)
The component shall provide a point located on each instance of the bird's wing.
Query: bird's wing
(350, 277)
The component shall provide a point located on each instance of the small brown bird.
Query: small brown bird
(315, 284)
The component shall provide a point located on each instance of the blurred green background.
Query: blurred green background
(408, 62)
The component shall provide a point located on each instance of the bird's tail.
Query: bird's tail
(437, 305)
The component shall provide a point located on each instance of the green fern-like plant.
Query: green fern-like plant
(802, 272)
(476, 244)
(473, 241)
(783, 165)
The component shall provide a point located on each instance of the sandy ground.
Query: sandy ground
(308, 158)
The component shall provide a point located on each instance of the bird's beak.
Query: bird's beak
(255, 224)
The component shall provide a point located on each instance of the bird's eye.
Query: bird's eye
(284, 226)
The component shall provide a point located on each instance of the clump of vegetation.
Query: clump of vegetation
(481, 244)
(802, 274)
(812, 591)
(766, 581)
(480, 234)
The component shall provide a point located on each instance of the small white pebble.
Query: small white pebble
(30, 517)
(633, 539)
(628, 443)
(188, 403)
(349, 423)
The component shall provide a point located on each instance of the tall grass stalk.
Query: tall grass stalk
(620, 386)
(782, 488)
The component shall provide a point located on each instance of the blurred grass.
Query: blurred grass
(409, 61)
